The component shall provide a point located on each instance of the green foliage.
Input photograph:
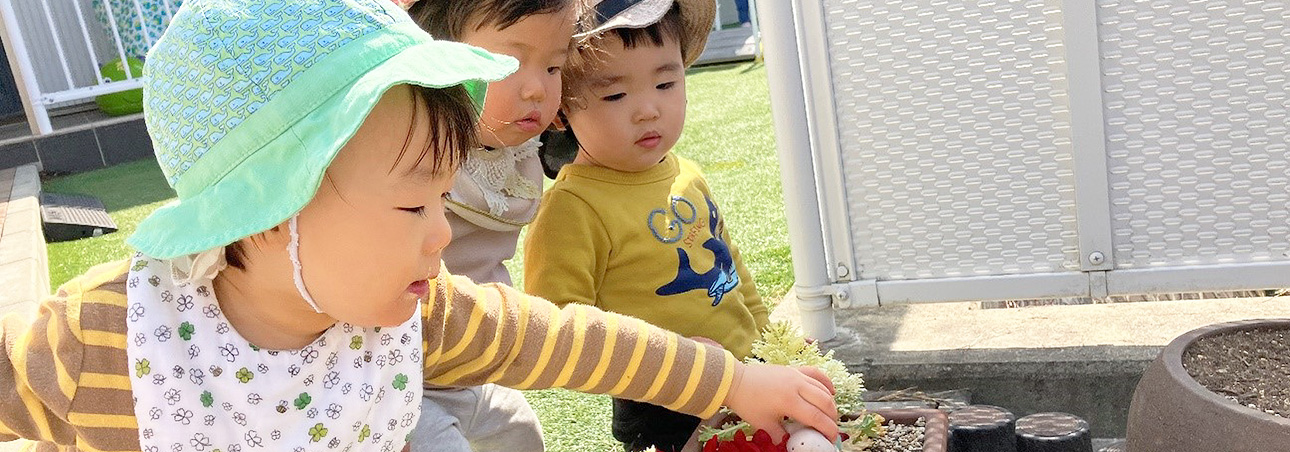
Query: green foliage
(129, 191)
(726, 432)
(864, 427)
(784, 344)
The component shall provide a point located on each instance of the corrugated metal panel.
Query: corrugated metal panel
(1197, 101)
(954, 129)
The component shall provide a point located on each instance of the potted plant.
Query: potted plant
(1223, 387)
(894, 430)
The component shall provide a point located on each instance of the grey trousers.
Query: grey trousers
(476, 419)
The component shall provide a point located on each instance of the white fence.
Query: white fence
(57, 47)
(939, 150)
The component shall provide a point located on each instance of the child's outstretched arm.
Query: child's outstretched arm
(495, 334)
(31, 401)
(63, 370)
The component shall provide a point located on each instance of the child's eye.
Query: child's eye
(553, 70)
(614, 97)
(667, 85)
(419, 210)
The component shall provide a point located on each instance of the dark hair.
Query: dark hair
(587, 58)
(669, 26)
(452, 136)
(448, 19)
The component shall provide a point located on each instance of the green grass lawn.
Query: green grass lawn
(728, 132)
(129, 192)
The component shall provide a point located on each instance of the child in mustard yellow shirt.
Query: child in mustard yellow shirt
(628, 226)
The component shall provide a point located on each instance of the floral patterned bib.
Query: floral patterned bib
(199, 386)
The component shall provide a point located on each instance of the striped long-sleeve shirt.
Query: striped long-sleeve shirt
(64, 372)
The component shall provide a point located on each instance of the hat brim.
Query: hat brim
(696, 19)
(279, 178)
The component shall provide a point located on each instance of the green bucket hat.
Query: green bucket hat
(248, 101)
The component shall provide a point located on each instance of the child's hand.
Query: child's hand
(765, 394)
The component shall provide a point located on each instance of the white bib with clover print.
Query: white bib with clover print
(199, 386)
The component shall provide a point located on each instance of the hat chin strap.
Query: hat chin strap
(293, 250)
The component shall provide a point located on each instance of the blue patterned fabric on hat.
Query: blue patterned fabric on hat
(248, 101)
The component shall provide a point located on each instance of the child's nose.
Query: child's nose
(438, 236)
(647, 112)
(533, 91)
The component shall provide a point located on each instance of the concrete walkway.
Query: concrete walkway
(24, 269)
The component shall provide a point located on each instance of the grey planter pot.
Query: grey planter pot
(1171, 412)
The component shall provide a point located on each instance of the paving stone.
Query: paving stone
(24, 268)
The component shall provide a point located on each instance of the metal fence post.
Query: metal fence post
(792, 136)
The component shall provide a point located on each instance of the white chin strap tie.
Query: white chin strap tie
(293, 249)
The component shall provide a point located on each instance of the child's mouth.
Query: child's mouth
(530, 123)
(649, 141)
(419, 288)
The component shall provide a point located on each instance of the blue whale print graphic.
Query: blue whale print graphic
(719, 280)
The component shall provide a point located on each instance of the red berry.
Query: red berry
(741, 437)
(761, 438)
(710, 445)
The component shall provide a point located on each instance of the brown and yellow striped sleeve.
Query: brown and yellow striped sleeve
(493, 333)
(63, 378)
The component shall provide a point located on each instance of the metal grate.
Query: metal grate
(954, 129)
(1196, 98)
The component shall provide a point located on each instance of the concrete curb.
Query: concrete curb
(24, 265)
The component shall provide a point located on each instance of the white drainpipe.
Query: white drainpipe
(813, 288)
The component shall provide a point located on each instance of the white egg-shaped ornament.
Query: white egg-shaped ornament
(792, 426)
(809, 440)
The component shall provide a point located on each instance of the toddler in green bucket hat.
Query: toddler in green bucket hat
(293, 298)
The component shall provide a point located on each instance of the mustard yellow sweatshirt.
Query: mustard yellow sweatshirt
(651, 245)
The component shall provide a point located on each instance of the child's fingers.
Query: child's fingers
(818, 385)
(821, 401)
(821, 414)
(818, 376)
